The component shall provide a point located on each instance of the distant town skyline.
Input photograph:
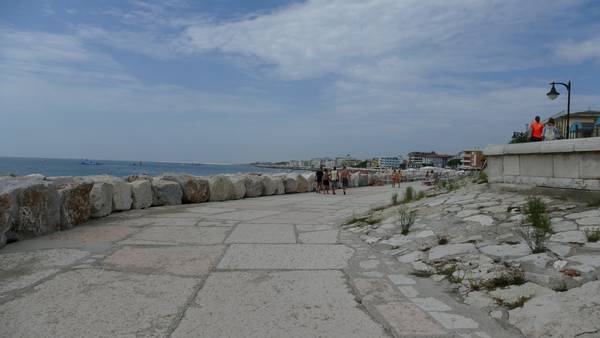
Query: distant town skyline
(235, 81)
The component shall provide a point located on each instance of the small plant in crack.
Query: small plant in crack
(407, 219)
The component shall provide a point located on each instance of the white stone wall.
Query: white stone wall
(573, 164)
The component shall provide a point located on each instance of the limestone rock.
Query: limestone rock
(291, 183)
(513, 294)
(101, 199)
(569, 237)
(254, 186)
(29, 206)
(591, 260)
(141, 193)
(585, 214)
(221, 188)
(269, 186)
(121, 199)
(354, 179)
(422, 268)
(166, 192)
(195, 189)
(449, 250)
(239, 186)
(363, 180)
(310, 180)
(535, 261)
(561, 225)
(479, 299)
(278, 181)
(588, 221)
(564, 314)
(74, 194)
(484, 220)
(506, 250)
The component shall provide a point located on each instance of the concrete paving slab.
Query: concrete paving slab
(262, 233)
(208, 210)
(130, 222)
(186, 261)
(172, 221)
(277, 304)
(295, 217)
(96, 238)
(285, 256)
(431, 304)
(97, 303)
(454, 321)
(245, 215)
(319, 237)
(178, 235)
(23, 269)
(313, 227)
(408, 320)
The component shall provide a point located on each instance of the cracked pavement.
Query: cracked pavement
(260, 267)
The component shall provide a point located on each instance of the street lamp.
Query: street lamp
(553, 94)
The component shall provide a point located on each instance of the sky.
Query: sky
(232, 81)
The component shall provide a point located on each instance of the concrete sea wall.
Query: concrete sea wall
(35, 205)
(570, 164)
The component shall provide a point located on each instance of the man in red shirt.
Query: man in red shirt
(535, 129)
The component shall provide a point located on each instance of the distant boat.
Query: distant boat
(89, 162)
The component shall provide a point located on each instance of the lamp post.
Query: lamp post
(553, 94)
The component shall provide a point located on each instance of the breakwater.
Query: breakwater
(36, 205)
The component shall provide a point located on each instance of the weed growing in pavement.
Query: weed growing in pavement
(421, 195)
(594, 203)
(538, 227)
(593, 235)
(409, 194)
(407, 219)
(482, 178)
(395, 200)
(443, 240)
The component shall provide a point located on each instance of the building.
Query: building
(582, 124)
(389, 162)
(472, 158)
(419, 159)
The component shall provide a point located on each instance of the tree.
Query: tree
(455, 162)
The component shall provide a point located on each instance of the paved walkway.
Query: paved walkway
(273, 266)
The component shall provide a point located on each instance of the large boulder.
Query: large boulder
(290, 182)
(221, 188)
(310, 179)
(239, 186)
(74, 194)
(101, 197)
(121, 199)
(301, 184)
(573, 313)
(278, 181)
(363, 180)
(254, 186)
(195, 189)
(166, 192)
(355, 180)
(269, 186)
(141, 193)
(29, 207)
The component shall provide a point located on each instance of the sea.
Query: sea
(83, 167)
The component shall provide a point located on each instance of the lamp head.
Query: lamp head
(552, 94)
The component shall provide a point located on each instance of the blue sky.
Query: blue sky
(238, 81)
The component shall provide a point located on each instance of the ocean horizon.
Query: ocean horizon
(21, 166)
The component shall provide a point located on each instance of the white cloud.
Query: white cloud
(322, 37)
(580, 51)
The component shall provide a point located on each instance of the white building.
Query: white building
(390, 162)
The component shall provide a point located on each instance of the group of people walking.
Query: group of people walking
(543, 132)
(326, 178)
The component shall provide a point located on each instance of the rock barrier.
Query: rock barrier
(35, 205)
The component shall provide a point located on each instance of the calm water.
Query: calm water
(64, 167)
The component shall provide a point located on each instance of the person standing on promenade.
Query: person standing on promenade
(319, 179)
(394, 178)
(326, 181)
(345, 174)
(550, 131)
(535, 130)
(334, 179)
